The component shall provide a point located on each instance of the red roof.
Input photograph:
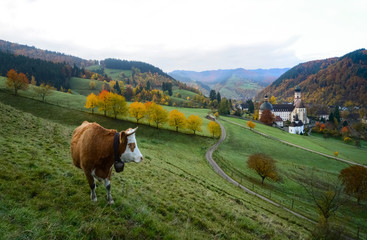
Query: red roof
(278, 119)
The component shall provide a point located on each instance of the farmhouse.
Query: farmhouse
(296, 113)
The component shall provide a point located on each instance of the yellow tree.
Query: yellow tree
(116, 104)
(92, 102)
(194, 123)
(92, 84)
(148, 110)
(251, 124)
(158, 115)
(16, 81)
(137, 110)
(273, 100)
(177, 119)
(214, 129)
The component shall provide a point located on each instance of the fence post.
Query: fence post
(292, 203)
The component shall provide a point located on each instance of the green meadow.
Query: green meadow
(315, 142)
(77, 99)
(293, 164)
(172, 194)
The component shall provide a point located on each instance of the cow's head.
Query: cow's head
(131, 151)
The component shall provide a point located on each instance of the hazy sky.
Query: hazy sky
(190, 34)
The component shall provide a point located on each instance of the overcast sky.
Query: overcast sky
(190, 34)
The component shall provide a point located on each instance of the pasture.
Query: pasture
(172, 194)
(315, 142)
(76, 101)
(293, 165)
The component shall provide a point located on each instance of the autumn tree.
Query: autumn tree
(16, 81)
(116, 104)
(102, 102)
(194, 123)
(354, 179)
(92, 85)
(214, 128)
(44, 90)
(263, 165)
(267, 117)
(92, 102)
(251, 124)
(273, 100)
(326, 194)
(157, 114)
(137, 110)
(177, 119)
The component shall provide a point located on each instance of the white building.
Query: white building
(288, 112)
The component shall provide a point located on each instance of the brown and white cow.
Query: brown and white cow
(95, 150)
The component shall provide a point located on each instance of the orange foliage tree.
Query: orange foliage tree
(251, 124)
(264, 165)
(137, 110)
(16, 81)
(267, 117)
(177, 119)
(92, 102)
(194, 123)
(354, 179)
(102, 102)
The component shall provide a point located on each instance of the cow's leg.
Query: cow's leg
(92, 185)
(107, 184)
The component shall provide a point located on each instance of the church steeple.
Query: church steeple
(297, 94)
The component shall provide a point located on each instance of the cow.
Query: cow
(95, 150)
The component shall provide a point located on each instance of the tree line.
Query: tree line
(55, 74)
(113, 104)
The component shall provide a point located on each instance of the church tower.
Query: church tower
(297, 94)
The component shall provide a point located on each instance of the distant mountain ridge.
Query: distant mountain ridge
(332, 81)
(231, 83)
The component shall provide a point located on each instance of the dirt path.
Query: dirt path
(209, 157)
(297, 146)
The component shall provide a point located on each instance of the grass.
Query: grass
(315, 142)
(81, 86)
(77, 100)
(172, 194)
(291, 164)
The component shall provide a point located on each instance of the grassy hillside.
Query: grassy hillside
(315, 142)
(81, 86)
(172, 194)
(77, 100)
(293, 164)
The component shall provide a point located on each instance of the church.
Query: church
(296, 113)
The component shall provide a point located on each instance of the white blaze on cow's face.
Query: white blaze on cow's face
(132, 153)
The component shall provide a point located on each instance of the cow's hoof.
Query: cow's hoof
(94, 199)
(110, 202)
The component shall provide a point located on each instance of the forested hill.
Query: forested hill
(129, 65)
(56, 74)
(332, 81)
(32, 52)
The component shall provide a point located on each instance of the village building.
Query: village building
(288, 112)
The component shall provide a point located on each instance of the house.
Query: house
(297, 126)
(279, 121)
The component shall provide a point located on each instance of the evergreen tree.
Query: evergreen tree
(219, 97)
(331, 117)
(251, 107)
(148, 85)
(337, 113)
(212, 95)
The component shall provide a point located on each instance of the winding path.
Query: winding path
(209, 157)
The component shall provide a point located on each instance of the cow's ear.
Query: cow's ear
(131, 131)
(122, 136)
